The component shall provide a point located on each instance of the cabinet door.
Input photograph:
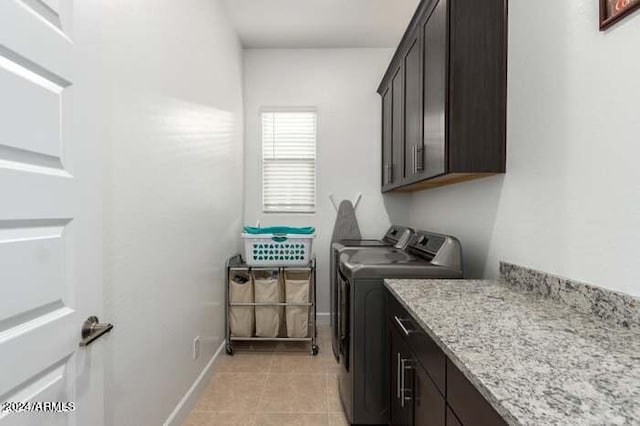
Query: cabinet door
(469, 405)
(387, 137)
(401, 380)
(397, 127)
(413, 114)
(435, 87)
(452, 420)
(428, 403)
(415, 399)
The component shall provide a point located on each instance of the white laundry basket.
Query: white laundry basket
(297, 286)
(241, 318)
(277, 249)
(268, 289)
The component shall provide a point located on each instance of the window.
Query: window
(289, 161)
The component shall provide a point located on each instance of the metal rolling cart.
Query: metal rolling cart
(237, 264)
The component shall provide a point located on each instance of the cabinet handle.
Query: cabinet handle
(414, 165)
(404, 329)
(398, 372)
(405, 365)
(419, 158)
(416, 158)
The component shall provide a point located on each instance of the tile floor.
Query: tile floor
(273, 384)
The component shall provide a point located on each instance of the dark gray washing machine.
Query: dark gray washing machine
(396, 236)
(364, 369)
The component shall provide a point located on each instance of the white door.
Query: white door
(50, 237)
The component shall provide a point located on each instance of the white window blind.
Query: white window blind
(289, 161)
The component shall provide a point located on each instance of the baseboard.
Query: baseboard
(323, 317)
(188, 401)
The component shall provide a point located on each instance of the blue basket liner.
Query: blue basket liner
(281, 230)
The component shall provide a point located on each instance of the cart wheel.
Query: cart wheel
(314, 350)
(229, 350)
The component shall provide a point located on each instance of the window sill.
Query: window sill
(309, 212)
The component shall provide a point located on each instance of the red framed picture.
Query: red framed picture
(611, 11)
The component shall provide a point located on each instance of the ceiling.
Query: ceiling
(320, 23)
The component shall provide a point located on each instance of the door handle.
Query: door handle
(405, 365)
(92, 329)
(400, 323)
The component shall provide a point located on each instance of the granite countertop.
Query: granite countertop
(536, 360)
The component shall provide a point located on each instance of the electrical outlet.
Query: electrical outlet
(196, 347)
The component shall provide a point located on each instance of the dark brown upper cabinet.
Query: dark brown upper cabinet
(387, 137)
(444, 96)
(434, 32)
(392, 131)
(412, 109)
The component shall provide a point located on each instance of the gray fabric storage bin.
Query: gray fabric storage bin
(297, 285)
(268, 289)
(241, 318)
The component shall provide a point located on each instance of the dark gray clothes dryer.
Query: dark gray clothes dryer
(364, 365)
(396, 236)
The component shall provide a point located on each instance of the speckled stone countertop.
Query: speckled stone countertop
(537, 361)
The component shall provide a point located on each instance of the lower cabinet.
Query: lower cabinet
(467, 403)
(402, 361)
(415, 399)
(425, 388)
(452, 420)
(429, 404)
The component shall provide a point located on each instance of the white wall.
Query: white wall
(341, 84)
(570, 201)
(173, 195)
